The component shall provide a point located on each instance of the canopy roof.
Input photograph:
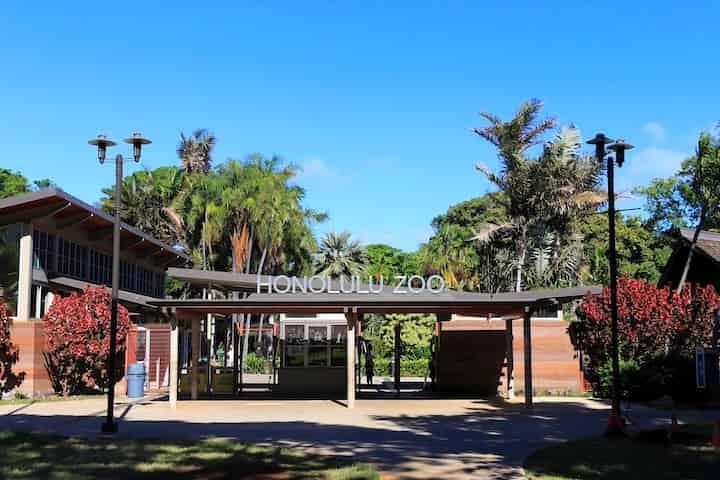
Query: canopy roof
(54, 204)
(387, 301)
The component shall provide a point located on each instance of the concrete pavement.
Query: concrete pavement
(417, 438)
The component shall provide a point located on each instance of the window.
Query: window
(43, 250)
(337, 345)
(72, 259)
(317, 349)
(315, 345)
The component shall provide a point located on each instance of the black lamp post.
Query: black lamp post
(102, 142)
(619, 147)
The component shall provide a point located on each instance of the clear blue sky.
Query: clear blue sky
(374, 99)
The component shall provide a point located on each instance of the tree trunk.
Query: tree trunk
(246, 318)
(688, 260)
(522, 248)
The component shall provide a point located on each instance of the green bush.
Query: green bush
(255, 364)
(671, 374)
(417, 367)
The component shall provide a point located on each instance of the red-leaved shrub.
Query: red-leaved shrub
(77, 331)
(9, 354)
(652, 321)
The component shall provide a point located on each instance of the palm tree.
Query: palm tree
(147, 196)
(545, 195)
(194, 151)
(512, 139)
(340, 257)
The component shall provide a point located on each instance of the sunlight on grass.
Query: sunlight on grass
(28, 456)
(689, 457)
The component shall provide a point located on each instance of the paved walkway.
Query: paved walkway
(419, 438)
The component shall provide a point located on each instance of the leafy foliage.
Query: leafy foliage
(652, 321)
(9, 354)
(641, 253)
(339, 256)
(77, 340)
(14, 183)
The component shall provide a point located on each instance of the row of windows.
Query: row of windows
(315, 346)
(56, 254)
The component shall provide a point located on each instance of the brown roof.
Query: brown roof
(67, 210)
(708, 242)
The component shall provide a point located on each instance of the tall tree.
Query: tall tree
(339, 256)
(512, 139)
(704, 171)
(147, 198)
(195, 151)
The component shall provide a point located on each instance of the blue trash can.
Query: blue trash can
(136, 380)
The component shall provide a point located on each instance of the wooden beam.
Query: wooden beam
(510, 361)
(149, 252)
(131, 243)
(100, 234)
(26, 215)
(72, 220)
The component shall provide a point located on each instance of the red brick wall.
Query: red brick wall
(29, 336)
(555, 367)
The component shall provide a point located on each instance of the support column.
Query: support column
(396, 358)
(351, 318)
(174, 344)
(510, 360)
(25, 268)
(527, 343)
(194, 357)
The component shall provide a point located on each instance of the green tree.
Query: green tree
(387, 261)
(147, 196)
(15, 183)
(641, 253)
(339, 256)
(195, 151)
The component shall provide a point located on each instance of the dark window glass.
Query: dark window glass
(337, 356)
(318, 356)
(294, 355)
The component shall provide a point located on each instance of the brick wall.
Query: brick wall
(555, 367)
(29, 336)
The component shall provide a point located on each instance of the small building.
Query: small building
(705, 265)
(53, 243)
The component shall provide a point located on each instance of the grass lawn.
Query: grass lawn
(647, 457)
(49, 398)
(25, 456)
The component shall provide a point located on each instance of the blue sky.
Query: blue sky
(374, 99)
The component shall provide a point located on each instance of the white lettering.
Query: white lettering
(285, 280)
(440, 282)
(400, 284)
(413, 281)
(323, 285)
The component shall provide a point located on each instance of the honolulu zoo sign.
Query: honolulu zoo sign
(404, 284)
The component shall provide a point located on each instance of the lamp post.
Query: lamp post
(619, 147)
(102, 142)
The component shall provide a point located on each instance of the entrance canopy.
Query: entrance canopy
(353, 302)
(510, 304)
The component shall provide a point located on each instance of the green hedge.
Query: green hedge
(408, 367)
(255, 364)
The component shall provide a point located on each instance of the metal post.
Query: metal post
(174, 344)
(194, 358)
(614, 423)
(510, 364)
(527, 340)
(351, 318)
(110, 426)
(396, 360)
